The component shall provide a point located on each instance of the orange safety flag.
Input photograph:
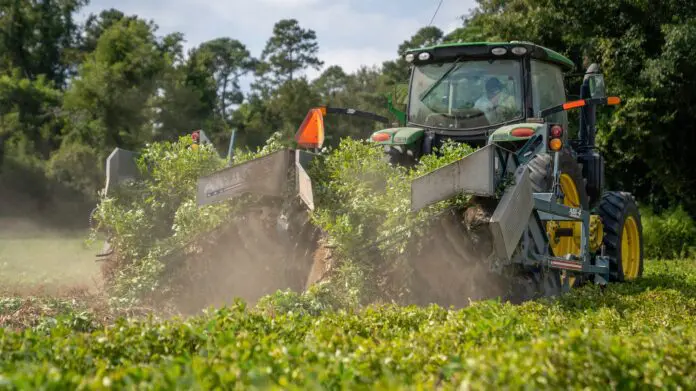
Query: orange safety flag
(311, 132)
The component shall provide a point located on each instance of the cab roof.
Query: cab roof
(475, 50)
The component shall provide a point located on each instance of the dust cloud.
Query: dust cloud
(451, 267)
(248, 259)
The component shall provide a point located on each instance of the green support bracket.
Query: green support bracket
(400, 115)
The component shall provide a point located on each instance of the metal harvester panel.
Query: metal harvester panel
(267, 175)
(511, 216)
(473, 174)
(303, 181)
(120, 167)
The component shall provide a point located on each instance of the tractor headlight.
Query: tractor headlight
(499, 51)
(424, 56)
(409, 57)
(519, 50)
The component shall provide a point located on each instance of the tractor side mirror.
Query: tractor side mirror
(597, 87)
(595, 82)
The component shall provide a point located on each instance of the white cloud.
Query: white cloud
(351, 59)
(350, 33)
(289, 3)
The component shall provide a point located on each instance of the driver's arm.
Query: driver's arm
(482, 104)
(508, 102)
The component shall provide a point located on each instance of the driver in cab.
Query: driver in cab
(496, 103)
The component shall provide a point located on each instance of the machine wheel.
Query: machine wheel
(623, 239)
(531, 285)
(398, 158)
(575, 195)
(572, 181)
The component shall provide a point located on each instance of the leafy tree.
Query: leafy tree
(331, 82)
(29, 125)
(255, 120)
(228, 59)
(187, 101)
(96, 25)
(28, 117)
(397, 71)
(364, 89)
(38, 37)
(111, 103)
(291, 103)
(290, 49)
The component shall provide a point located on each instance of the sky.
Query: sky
(350, 33)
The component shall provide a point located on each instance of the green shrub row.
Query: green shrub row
(361, 199)
(669, 235)
(638, 335)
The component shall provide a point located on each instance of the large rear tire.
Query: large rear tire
(572, 181)
(575, 195)
(623, 238)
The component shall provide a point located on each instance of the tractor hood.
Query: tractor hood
(398, 136)
(516, 132)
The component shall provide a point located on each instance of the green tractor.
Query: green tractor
(554, 226)
(509, 99)
(548, 223)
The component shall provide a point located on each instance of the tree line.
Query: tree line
(71, 92)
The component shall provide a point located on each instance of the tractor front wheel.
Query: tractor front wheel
(400, 156)
(623, 238)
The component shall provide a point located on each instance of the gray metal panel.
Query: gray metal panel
(511, 216)
(120, 167)
(204, 138)
(543, 196)
(473, 174)
(548, 216)
(303, 181)
(538, 235)
(266, 175)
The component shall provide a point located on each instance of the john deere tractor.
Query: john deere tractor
(510, 99)
(540, 217)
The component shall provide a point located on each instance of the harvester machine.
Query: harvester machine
(540, 220)
(550, 223)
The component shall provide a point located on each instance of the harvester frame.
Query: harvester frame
(525, 221)
(523, 138)
(552, 218)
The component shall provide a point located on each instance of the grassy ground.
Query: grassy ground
(638, 335)
(33, 258)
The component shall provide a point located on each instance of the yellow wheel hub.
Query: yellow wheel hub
(630, 249)
(566, 245)
(571, 244)
(596, 233)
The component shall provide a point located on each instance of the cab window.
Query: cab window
(548, 90)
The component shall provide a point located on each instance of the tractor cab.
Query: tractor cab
(466, 95)
(468, 90)
(478, 93)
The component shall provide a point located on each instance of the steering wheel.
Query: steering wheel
(467, 113)
(460, 115)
